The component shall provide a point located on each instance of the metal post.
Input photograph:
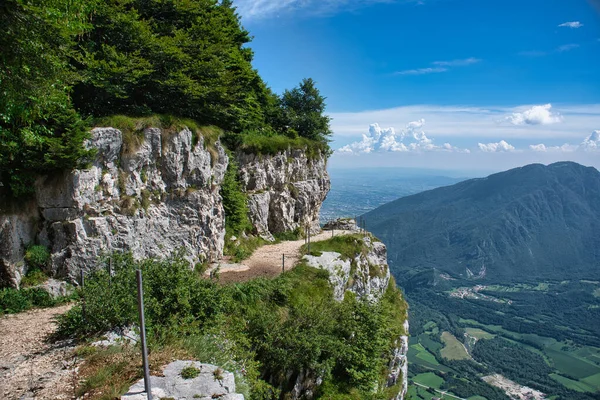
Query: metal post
(308, 240)
(140, 288)
(283, 263)
(82, 280)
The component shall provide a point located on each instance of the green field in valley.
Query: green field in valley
(453, 349)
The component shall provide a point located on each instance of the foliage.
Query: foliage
(40, 132)
(243, 247)
(303, 108)
(180, 60)
(37, 256)
(190, 372)
(234, 201)
(276, 329)
(14, 301)
(33, 277)
(269, 144)
(349, 246)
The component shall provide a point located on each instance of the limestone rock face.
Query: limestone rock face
(211, 383)
(367, 275)
(152, 199)
(285, 191)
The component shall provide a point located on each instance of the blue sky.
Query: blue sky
(482, 76)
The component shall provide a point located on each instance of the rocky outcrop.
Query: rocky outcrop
(368, 276)
(285, 191)
(152, 195)
(210, 383)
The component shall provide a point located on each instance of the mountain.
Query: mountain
(528, 223)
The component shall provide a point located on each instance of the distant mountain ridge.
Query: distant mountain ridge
(533, 222)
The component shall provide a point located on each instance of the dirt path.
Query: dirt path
(31, 368)
(266, 261)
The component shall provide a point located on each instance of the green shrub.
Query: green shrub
(13, 301)
(234, 201)
(274, 329)
(190, 372)
(37, 256)
(33, 277)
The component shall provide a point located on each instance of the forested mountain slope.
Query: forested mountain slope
(534, 222)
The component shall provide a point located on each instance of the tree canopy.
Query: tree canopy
(65, 63)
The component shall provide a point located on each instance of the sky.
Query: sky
(444, 84)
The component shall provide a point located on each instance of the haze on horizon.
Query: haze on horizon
(443, 84)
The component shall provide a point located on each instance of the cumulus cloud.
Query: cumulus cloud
(499, 147)
(589, 144)
(536, 115)
(571, 24)
(592, 143)
(388, 140)
(542, 148)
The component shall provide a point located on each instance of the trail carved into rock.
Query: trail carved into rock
(267, 261)
(31, 367)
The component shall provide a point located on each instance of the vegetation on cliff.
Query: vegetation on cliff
(65, 65)
(269, 332)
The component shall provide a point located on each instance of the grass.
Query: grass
(243, 247)
(571, 384)
(190, 372)
(593, 381)
(349, 246)
(259, 144)
(34, 277)
(133, 128)
(570, 364)
(424, 355)
(479, 333)
(429, 379)
(453, 349)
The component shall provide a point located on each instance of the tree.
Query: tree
(185, 58)
(303, 110)
(39, 129)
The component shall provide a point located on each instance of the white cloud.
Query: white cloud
(559, 49)
(439, 66)
(385, 140)
(421, 71)
(542, 148)
(458, 63)
(566, 47)
(536, 115)
(499, 147)
(260, 9)
(592, 143)
(572, 24)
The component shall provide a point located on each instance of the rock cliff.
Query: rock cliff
(154, 193)
(285, 191)
(367, 275)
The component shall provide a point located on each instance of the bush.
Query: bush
(274, 329)
(190, 372)
(37, 257)
(13, 301)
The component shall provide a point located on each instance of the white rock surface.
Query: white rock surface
(151, 201)
(285, 191)
(204, 387)
(367, 275)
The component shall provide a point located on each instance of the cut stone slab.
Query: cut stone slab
(204, 387)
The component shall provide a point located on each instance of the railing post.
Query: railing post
(283, 263)
(147, 384)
